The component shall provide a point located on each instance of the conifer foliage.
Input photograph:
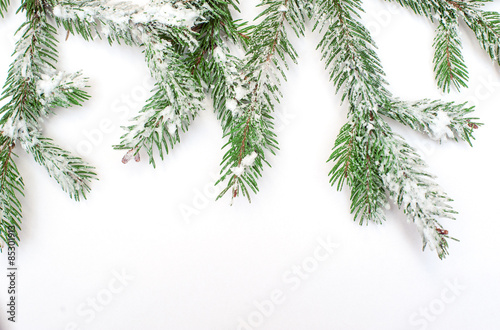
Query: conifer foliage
(195, 48)
(34, 88)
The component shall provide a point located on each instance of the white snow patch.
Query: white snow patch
(249, 159)
(440, 127)
(47, 84)
(231, 105)
(123, 14)
(240, 92)
(220, 55)
(246, 162)
(63, 12)
(238, 170)
(15, 128)
(282, 9)
(172, 128)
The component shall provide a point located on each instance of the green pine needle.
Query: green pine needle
(449, 64)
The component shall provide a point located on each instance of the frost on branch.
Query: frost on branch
(450, 67)
(165, 31)
(251, 131)
(61, 89)
(34, 87)
(449, 63)
(367, 155)
(230, 86)
(416, 193)
(437, 119)
(126, 21)
(177, 99)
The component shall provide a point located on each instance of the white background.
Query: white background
(215, 268)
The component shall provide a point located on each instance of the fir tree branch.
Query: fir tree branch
(33, 84)
(416, 193)
(176, 101)
(62, 90)
(157, 125)
(484, 24)
(437, 119)
(228, 85)
(70, 172)
(347, 48)
(215, 65)
(11, 187)
(224, 74)
(33, 88)
(342, 155)
(368, 197)
(449, 65)
(127, 22)
(367, 155)
(165, 32)
(251, 132)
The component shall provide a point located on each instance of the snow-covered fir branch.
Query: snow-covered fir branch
(176, 101)
(33, 88)
(251, 133)
(450, 67)
(177, 47)
(216, 62)
(437, 119)
(70, 172)
(128, 22)
(32, 74)
(61, 90)
(414, 190)
(355, 69)
(485, 25)
(367, 155)
(229, 86)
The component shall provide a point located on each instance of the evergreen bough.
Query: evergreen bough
(193, 48)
